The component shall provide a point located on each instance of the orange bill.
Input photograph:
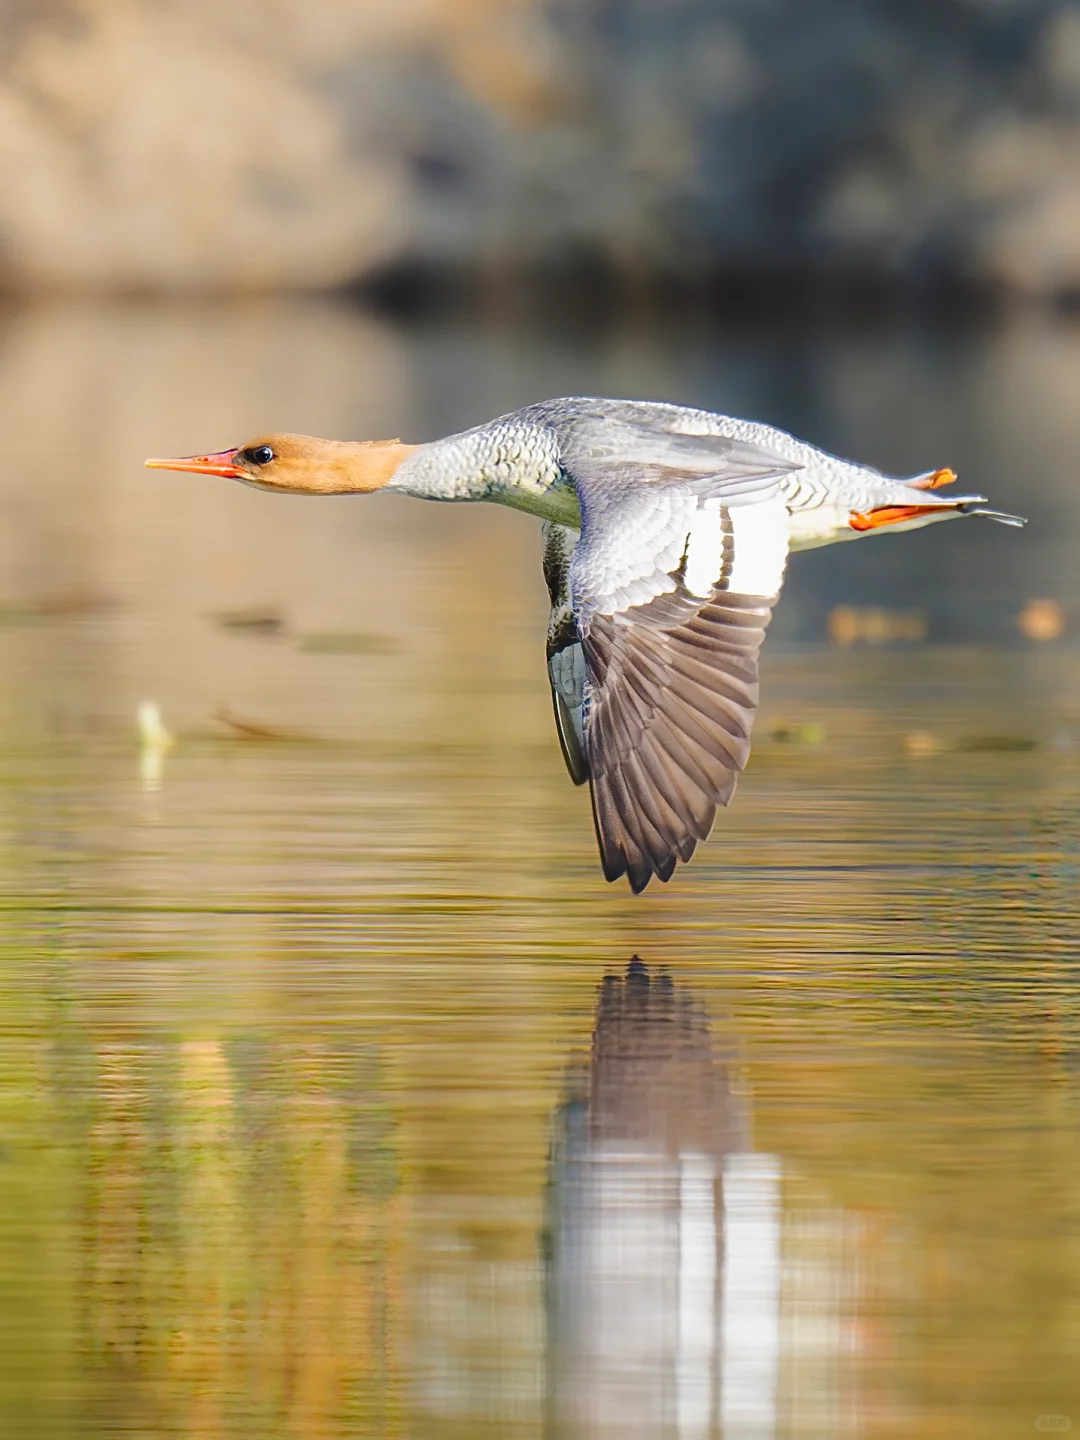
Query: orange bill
(223, 462)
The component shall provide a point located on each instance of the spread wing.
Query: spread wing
(671, 692)
(653, 649)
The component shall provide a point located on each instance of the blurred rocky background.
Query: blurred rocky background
(744, 145)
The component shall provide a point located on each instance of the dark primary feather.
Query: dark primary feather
(670, 701)
(654, 684)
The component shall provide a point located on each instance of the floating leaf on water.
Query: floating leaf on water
(71, 602)
(874, 625)
(349, 642)
(155, 741)
(809, 734)
(256, 621)
(151, 727)
(255, 729)
(977, 744)
(61, 606)
(1042, 619)
(920, 743)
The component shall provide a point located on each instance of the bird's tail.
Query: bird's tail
(911, 517)
(976, 507)
(936, 507)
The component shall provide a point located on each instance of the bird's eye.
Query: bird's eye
(261, 455)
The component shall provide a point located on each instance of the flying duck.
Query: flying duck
(666, 533)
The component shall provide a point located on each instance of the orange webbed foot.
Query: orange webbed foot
(935, 480)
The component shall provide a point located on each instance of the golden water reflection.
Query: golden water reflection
(241, 1226)
(236, 1247)
(686, 1223)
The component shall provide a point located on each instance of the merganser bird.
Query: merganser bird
(666, 535)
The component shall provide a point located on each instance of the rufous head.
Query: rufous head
(301, 464)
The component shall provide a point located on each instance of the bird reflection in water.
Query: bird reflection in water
(663, 1274)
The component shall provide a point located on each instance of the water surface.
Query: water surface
(305, 1128)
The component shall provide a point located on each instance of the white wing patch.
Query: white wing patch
(640, 539)
(744, 547)
(705, 551)
(759, 548)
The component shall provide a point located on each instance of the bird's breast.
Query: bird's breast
(520, 466)
(809, 529)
